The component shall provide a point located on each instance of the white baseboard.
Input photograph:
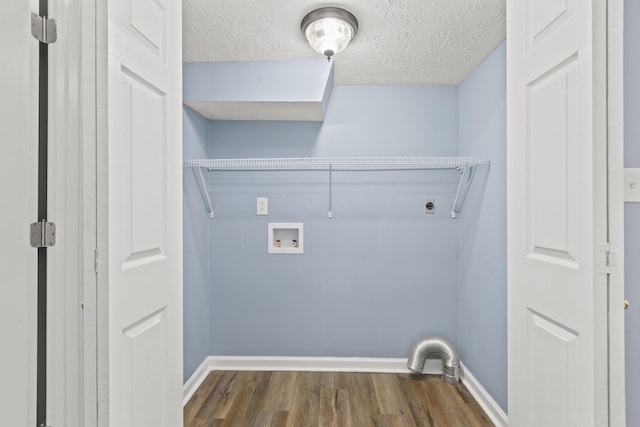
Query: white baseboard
(338, 364)
(196, 379)
(486, 402)
(317, 364)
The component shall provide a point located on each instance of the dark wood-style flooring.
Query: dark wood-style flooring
(302, 399)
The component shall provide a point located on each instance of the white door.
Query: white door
(557, 212)
(144, 219)
(18, 202)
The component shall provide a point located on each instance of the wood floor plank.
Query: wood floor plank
(327, 399)
(390, 397)
(263, 419)
(205, 422)
(413, 389)
(279, 419)
(448, 408)
(386, 420)
(306, 401)
(221, 397)
(279, 393)
(353, 398)
(328, 405)
(343, 409)
(363, 403)
(472, 404)
(431, 393)
(246, 406)
(271, 419)
(467, 404)
(199, 396)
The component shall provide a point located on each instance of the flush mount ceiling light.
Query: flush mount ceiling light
(329, 29)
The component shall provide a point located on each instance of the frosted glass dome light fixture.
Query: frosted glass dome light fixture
(329, 29)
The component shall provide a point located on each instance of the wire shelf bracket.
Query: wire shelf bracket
(204, 189)
(466, 177)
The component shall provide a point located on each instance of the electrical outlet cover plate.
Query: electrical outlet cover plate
(429, 205)
(262, 206)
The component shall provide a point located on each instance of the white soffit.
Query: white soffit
(247, 110)
(400, 42)
(259, 90)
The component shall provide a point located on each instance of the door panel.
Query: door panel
(557, 214)
(548, 364)
(551, 101)
(146, 22)
(144, 178)
(145, 213)
(546, 16)
(145, 349)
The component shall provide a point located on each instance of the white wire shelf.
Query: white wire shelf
(336, 163)
(466, 166)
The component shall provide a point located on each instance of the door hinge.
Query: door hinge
(43, 234)
(96, 253)
(607, 258)
(44, 29)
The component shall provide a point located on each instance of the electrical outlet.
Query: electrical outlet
(429, 205)
(262, 207)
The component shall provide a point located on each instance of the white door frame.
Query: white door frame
(81, 71)
(75, 92)
(72, 389)
(94, 35)
(615, 136)
(91, 349)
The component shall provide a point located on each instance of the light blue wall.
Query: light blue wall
(196, 248)
(360, 121)
(381, 273)
(377, 276)
(632, 210)
(482, 232)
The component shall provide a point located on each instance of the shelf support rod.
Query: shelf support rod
(330, 190)
(205, 191)
(463, 188)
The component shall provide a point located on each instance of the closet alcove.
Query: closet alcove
(378, 271)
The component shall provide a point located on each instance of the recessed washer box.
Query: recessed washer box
(286, 238)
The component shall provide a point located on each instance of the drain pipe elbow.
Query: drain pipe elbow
(443, 348)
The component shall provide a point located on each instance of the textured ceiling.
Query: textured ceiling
(399, 42)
